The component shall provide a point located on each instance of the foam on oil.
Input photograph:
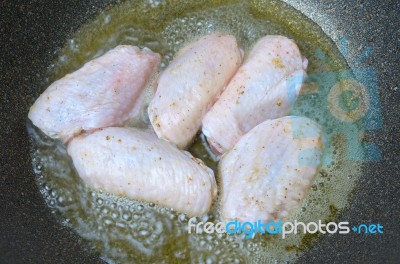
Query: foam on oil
(126, 231)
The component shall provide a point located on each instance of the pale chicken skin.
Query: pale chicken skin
(264, 87)
(270, 169)
(190, 85)
(100, 94)
(136, 164)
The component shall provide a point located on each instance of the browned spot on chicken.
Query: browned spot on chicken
(155, 121)
(278, 63)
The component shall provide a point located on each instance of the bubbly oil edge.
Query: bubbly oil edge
(123, 230)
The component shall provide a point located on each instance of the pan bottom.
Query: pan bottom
(124, 231)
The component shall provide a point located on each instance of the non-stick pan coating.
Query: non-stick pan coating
(32, 31)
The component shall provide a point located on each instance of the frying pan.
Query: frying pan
(32, 32)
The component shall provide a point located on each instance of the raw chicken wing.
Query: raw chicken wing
(190, 85)
(136, 164)
(100, 94)
(265, 87)
(270, 169)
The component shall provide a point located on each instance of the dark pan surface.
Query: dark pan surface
(32, 31)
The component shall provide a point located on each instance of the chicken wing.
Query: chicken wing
(100, 94)
(270, 169)
(264, 87)
(190, 85)
(136, 164)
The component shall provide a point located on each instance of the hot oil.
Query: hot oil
(126, 231)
